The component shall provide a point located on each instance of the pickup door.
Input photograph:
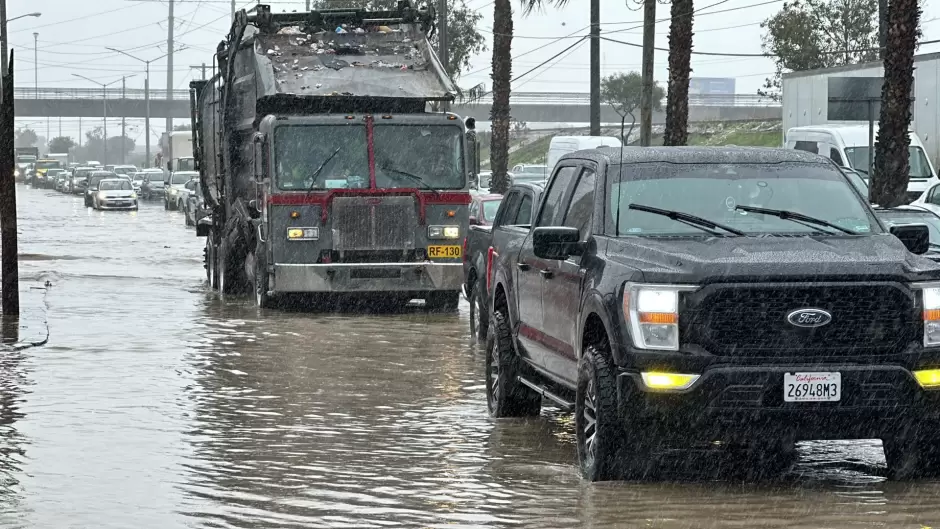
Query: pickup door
(551, 338)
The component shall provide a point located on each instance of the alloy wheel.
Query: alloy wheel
(589, 422)
(494, 373)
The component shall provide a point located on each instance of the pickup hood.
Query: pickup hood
(771, 258)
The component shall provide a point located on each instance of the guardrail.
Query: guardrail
(523, 98)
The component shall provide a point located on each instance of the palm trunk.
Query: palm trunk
(892, 156)
(499, 113)
(680, 66)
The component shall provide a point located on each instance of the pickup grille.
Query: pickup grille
(374, 223)
(751, 320)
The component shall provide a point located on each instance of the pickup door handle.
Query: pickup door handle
(522, 266)
(546, 273)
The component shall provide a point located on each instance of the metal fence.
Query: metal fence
(519, 98)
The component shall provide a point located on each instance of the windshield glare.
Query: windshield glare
(114, 185)
(858, 160)
(406, 156)
(712, 191)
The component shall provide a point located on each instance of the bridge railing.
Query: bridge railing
(518, 98)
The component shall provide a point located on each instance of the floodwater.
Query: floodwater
(156, 404)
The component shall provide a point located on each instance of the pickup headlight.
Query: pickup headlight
(652, 314)
(930, 297)
(443, 232)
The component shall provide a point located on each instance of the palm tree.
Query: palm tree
(502, 77)
(680, 66)
(892, 156)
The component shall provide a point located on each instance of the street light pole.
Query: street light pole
(146, 92)
(3, 36)
(36, 63)
(104, 105)
(123, 116)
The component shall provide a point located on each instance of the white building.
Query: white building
(806, 97)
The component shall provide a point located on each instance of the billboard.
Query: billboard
(711, 85)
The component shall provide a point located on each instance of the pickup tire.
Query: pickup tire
(913, 455)
(600, 432)
(505, 395)
(479, 320)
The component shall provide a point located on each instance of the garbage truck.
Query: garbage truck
(327, 160)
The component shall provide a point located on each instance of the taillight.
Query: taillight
(491, 256)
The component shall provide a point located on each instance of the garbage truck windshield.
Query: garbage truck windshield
(419, 156)
(310, 157)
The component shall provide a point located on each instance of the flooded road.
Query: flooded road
(156, 404)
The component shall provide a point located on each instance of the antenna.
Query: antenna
(623, 121)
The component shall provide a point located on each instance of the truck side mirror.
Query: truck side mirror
(915, 237)
(557, 242)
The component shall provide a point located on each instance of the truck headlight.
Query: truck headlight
(443, 232)
(930, 296)
(652, 314)
(16, 172)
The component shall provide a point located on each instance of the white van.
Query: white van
(562, 145)
(847, 145)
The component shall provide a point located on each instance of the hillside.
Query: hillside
(533, 147)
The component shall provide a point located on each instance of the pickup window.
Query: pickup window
(713, 191)
(581, 209)
(524, 215)
(551, 215)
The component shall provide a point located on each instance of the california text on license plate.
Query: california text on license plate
(812, 387)
(444, 252)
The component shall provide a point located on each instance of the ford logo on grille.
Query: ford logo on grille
(809, 318)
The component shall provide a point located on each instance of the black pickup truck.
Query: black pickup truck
(737, 298)
(514, 214)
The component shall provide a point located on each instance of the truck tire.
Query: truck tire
(913, 455)
(260, 284)
(505, 395)
(211, 264)
(443, 301)
(479, 320)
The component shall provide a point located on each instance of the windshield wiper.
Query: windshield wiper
(413, 177)
(796, 217)
(691, 220)
(319, 169)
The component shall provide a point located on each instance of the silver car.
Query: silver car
(115, 193)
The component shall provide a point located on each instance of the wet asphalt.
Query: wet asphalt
(157, 404)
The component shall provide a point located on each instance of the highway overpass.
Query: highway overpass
(531, 107)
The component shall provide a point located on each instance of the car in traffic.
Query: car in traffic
(514, 212)
(194, 206)
(175, 190)
(152, 188)
(91, 187)
(483, 209)
(682, 296)
(47, 180)
(533, 173)
(61, 181)
(79, 179)
(114, 193)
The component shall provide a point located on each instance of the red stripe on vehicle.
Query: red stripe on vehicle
(370, 143)
(454, 198)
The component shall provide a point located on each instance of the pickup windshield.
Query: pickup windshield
(858, 159)
(713, 192)
(432, 153)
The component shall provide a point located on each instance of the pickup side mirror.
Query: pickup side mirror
(474, 221)
(556, 242)
(916, 237)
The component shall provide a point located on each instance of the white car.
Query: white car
(175, 189)
(115, 193)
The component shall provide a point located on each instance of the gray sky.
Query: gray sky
(73, 36)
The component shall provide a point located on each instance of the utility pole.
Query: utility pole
(3, 46)
(595, 67)
(233, 11)
(36, 63)
(882, 27)
(646, 97)
(79, 130)
(123, 116)
(203, 68)
(169, 80)
(308, 5)
(9, 253)
(443, 41)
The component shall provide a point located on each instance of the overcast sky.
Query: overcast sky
(73, 36)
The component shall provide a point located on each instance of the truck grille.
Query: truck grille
(749, 320)
(374, 223)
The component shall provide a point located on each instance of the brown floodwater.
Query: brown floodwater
(157, 404)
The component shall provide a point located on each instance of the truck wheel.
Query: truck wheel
(505, 395)
(262, 299)
(606, 448)
(913, 455)
(443, 301)
(479, 321)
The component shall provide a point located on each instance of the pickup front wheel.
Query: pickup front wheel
(479, 322)
(505, 395)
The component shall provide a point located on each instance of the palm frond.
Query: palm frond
(528, 6)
